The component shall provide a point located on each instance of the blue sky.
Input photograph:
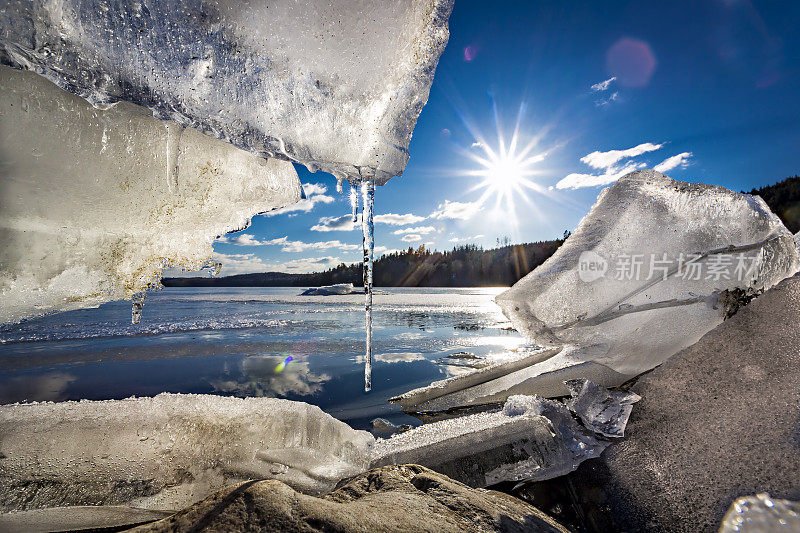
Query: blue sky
(707, 90)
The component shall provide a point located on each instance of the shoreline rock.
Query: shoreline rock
(392, 498)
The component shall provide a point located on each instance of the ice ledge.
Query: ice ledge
(335, 86)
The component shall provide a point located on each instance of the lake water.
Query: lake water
(232, 341)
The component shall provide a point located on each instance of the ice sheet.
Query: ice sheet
(336, 86)
(168, 451)
(700, 250)
(94, 202)
(171, 450)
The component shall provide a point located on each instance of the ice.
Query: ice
(368, 229)
(601, 410)
(531, 438)
(336, 86)
(327, 290)
(470, 389)
(95, 202)
(168, 451)
(761, 514)
(702, 250)
(797, 241)
(171, 450)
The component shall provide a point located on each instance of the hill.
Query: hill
(784, 200)
(463, 266)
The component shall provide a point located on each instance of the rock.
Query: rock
(716, 422)
(392, 498)
(655, 265)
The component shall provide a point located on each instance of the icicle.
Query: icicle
(137, 303)
(368, 193)
(213, 267)
(174, 133)
(354, 200)
(339, 184)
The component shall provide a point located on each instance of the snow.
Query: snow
(761, 514)
(95, 202)
(336, 86)
(589, 296)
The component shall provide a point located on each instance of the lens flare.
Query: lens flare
(280, 366)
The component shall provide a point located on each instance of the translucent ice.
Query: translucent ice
(95, 202)
(171, 450)
(601, 410)
(761, 514)
(368, 230)
(337, 86)
(168, 451)
(655, 265)
(529, 439)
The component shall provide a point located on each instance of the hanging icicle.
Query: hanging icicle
(368, 194)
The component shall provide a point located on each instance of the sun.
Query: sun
(506, 173)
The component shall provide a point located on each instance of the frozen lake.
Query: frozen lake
(232, 341)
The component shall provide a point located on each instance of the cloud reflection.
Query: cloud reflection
(258, 378)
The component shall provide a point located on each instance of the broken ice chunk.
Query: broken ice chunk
(168, 451)
(337, 86)
(386, 428)
(761, 514)
(655, 265)
(601, 410)
(327, 290)
(529, 439)
(90, 210)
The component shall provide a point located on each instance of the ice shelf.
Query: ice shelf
(171, 450)
(168, 451)
(95, 202)
(654, 265)
(761, 514)
(336, 86)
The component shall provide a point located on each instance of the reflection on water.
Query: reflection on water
(254, 342)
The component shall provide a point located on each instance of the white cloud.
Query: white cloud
(613, 98)
(311, 189)
(345, 222)
(467, 239)
(680, 160)
(308, 264)
(290, 246)
(315, 194)
(240, 264)
(457, 210)
(397, 220)
(604, 85)
(477, 144)
(612, 174)
(422, 230)
(411, 237)
(607, 159)
(342, 223)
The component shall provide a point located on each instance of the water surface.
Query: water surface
(232, 341)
